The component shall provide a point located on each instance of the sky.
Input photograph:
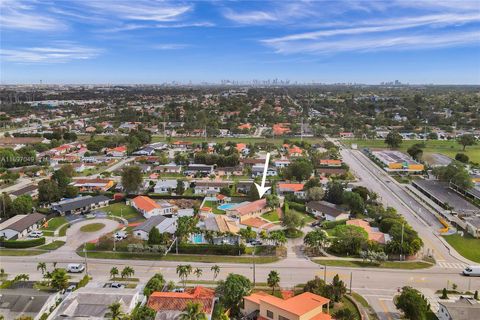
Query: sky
(155, 41)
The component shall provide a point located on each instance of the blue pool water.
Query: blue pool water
(197, 238)
(226, 206)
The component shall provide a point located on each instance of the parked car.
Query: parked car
(75, 267)
(70, 289)
(116, 285)
(35, 234)
(120, 235)
(472, 271)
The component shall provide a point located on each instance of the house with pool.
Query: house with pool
(247, 210)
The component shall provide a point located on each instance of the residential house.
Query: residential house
(120, 151)
(252, 161)
(374, 234)
(295, 151)
(305, 306)
(80, 205)
(291, 188)
(220, 224)
(149, 208)
(327, 211)
(26, 303)
(330, 163)
(229, 171)
(257, 171)
(462, 309)
(96, 184)
(210, 187)
(147, 151)
(281, 163)
(247, 210)
(347, 135)
(170, 305)
(182, 144)
(168, 168)
(167, 185)
(327, 172)
(20, 225)
(162, 223)
(92, 303)
(31, 190)
(196, 168)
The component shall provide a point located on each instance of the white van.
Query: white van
(75, 267)
(473, 271)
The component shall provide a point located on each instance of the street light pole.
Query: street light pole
(401, 242)
(325, 273)
(351, 279)
(253, 261)
(85, 255)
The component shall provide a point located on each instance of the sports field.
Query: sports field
(448, 148)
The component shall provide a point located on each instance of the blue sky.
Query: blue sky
(153, 41)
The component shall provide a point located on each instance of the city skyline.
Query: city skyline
(152, 42)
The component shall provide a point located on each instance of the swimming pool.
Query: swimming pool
(226, 206)
(197, 238)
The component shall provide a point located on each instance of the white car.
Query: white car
(75, 267)
(35, 234)
(120, 235)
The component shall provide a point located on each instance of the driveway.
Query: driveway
(76, 238)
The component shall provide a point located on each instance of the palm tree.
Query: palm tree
(216, 270)
(273, 280)
(127, 272)
(114, 311)
(198, 272)
(193, 311)
(42, 266)
(113, 272)
(183, 272)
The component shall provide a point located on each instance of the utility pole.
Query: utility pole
(351, 279)
(325, 273)
(85, 255)
(253, 261)
(401, 242)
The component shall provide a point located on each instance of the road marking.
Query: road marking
(385, 308)
(452, 265)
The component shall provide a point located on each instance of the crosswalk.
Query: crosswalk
(452, 265)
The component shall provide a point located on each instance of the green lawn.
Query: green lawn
(276, 141)
(386, 264)
(121, 209)
(92, 227)
(54, 223)
(63, 231)
(180, 257)
(271, 216)
(448, 148)
(467, 246)
(213, 205)
(17, 252)
(52, 245)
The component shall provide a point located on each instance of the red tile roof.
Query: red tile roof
(251, 207)
(160, 301)
(291, 186)
(145, 203)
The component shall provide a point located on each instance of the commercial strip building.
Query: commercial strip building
(396, 161)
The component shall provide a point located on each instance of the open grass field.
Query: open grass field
(121, 209)
(448, 148)
(467, 246)
(271, 216)
(386, 264)
(276, 141)
(92, 227)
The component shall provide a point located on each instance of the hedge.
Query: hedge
(23, 243)
(297, 206)
(213, 249)
(333, 224)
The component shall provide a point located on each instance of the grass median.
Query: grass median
(407, 265)
(175, 257)
(92, 227)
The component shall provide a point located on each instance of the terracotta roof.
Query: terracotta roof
(145, 203)
(372, 234)
(162, 301)
(330, 162)
(244, 126)
(251, 207)
(291, 186)
(241, 146)
(298, 305)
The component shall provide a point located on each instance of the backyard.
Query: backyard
(120, 209)
(447, 147)
(52, 225)
(467, 246)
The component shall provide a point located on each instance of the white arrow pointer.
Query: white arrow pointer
(262, 189)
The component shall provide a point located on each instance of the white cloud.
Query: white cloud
(378, 43)
(251, 17)
(59, 53)
(16, 14)
(170, 46)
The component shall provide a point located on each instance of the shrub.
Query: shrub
(212, 249)
(23, 243)
(297, 206)
(333, 224)
(83, 282)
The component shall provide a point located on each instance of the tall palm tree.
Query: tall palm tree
(113, 272)
(273, 280)
(183, 272)
(198, 272)
(114, 311)
(193, 311)
(127, 272)
(42, 266)
(216, 270)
